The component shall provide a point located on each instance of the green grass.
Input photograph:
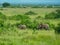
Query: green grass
(14, 36)
(28, 37)
(14, 11)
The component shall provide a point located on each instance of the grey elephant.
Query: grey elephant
(22, 26)
(43, 26)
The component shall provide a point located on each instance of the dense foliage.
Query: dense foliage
(26, 20)
(6, 4)
(18, 17)
(57, 29)
(53, 15)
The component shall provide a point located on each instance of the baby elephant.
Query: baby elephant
(43, 26)
(22, 26)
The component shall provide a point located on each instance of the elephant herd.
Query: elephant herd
(40, 26)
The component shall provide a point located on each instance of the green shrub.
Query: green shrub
(25, 21)
(50, 16)
(5, 4)
(53, 15)
(28, 23)
(32, 25)
(18, 17)
(1, 23)
(2, 16)
(30, 13)
(58, 13)
(8, 25)
(51, 26)
(57, 29)
(38, 17)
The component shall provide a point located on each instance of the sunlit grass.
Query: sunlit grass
(15, 36)
(28, 37)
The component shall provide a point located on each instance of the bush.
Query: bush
(28, 23)
(8, 26)
(32, 25)
(1, 23)
(58, 13)
(30, 13)
(53, 15)
(2, 16)
(23, 22)
(38, 17)
(52, 26)
(5, 4)
(50, 16)
(18, 17)
(57, 29)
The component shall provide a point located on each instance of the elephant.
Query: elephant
(22, 26)
(43, 26)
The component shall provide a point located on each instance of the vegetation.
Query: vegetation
(53, 15)
(2, 16)
(18, 17)
(6, 4)
(57, 29)
(30, 13)
(10, 34)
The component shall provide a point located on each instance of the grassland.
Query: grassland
(15, 36)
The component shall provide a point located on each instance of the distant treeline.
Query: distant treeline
(6, 4)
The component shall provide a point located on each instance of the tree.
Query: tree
(53, 15)
(6, 4)
(50, 15)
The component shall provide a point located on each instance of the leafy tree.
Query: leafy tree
(53, 15)
(50, 16)
(6, 4)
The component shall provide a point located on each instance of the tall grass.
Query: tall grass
(11, 35)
